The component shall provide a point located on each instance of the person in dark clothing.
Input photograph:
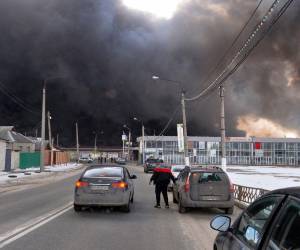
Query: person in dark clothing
(161, 178)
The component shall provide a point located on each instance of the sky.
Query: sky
(98, 58)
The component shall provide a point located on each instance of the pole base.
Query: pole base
(187, 161)
(224, 164)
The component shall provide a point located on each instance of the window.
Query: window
(286, 234)
(251, 225)
(103, 172)
(206, 177)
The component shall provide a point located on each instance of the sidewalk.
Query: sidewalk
(25, 176)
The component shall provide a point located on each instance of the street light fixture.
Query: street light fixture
(186, 157)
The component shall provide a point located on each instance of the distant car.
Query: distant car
(121, 161)
(104, 185)
(271, 222)
(85, 160)
(151, 164)
(203, 187)
(175, 170)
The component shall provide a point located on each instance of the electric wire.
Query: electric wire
(222, 77)
(16, 100)
(214, 69)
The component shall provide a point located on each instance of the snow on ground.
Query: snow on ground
(265, 177)
(31, 172)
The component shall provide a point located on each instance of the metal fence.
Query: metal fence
(247, 195)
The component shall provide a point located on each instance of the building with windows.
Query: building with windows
(239, 150)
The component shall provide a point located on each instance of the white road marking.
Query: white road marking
(33, 224)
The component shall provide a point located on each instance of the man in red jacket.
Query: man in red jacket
(161, 178)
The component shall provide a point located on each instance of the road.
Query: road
(43, 218)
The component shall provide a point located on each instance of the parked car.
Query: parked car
(175, 170)
(104, 185)
(85, 159)
(151, 164)
(271, 222)
(203, 187)
(121, 161)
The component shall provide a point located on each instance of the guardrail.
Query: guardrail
(247, 195)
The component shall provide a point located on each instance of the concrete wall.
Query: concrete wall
(2, 154)
(24, 147)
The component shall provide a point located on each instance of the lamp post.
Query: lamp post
(95, 145)
(143, 138)
(185, 140)
(129, 139)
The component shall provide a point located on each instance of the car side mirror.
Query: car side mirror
(220, 223)
(133, 176)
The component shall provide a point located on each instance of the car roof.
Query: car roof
(294, 191)
(205, 169)
(104, 165)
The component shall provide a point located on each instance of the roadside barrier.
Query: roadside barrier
(246, 195)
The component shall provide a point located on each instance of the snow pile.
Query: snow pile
(266, 177)
(29, 172)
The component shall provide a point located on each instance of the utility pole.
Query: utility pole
(42, 167)
(185, 139)
(77, 142)
(143, 142)
(57, 140)
(95, 145)
(222, 129)
(50, 138)
(129, 142)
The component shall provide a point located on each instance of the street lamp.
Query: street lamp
(143, 138)
(129, 139)
(186, 157)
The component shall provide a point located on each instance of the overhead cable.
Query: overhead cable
(246, 49)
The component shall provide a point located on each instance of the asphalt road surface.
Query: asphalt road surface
(42, 218)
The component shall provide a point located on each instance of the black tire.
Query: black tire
(174, 199)
(229, 210)
(181, 209)
(126, 208)
(77, 208)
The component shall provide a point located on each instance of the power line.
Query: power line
(16, 99)
(230, 68)
(168, 123)
(212, 70)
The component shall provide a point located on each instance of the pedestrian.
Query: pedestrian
(101, 159)
(161, 178)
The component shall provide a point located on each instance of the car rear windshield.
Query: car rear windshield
(154, 161)
(103, 172)
(205, 177)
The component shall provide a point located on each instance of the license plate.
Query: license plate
(99, 188)
(210, 198)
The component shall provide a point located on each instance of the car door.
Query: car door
(248, 230)
(129, 182)
(285, 232)
(179, 183)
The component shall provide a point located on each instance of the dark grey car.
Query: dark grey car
(104, 185)
(272, 222)
(203, 187)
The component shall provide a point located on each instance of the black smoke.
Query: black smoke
(105, 55)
